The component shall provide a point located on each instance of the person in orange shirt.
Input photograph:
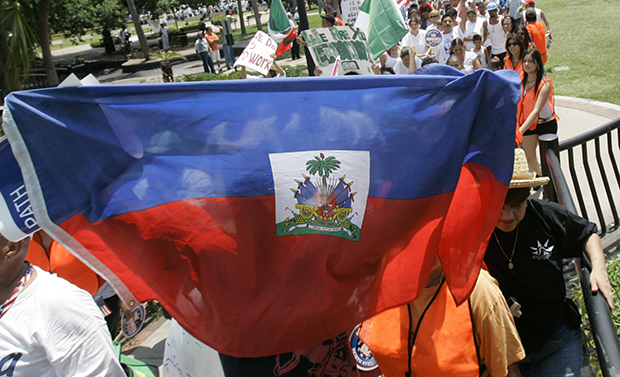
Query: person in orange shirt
(515, 45)
(338, 22)
(52, 257)
(212, 39)
(537, 32)
(432, 336)
(536, 110)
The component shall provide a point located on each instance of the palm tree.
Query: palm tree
(144, 46)
(324, 166)
(44, 37)
(17, 46)
(166, 67)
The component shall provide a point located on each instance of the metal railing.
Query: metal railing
(596, 184)
(603, 327)
(37, 78)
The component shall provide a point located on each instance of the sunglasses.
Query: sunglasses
(434, 17)
(512, 44)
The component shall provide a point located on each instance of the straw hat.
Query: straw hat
(521, 175)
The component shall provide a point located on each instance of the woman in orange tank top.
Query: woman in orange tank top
(536, 111)
(515, 46)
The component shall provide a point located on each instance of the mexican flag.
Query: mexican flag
(280, 29)
(382, 24)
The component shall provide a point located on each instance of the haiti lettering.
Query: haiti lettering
(7, 364)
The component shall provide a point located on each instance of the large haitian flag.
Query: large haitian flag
(270, 215)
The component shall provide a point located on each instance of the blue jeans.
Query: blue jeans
(207, 62)
(228, 56)
(560, 356)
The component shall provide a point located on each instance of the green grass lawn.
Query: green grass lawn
(587, 45)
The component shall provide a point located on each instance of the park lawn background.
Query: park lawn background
(588, 45)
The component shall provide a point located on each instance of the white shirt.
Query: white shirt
(481, 56)
(442, 52)
(202, 45)
(55, 329)
(401, 69)
(497, 35)
(389, 60)
(538, 16)
(417, 41)
(468, 64)
(471, 29)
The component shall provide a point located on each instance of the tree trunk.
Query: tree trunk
(304, 25)
(44, 38)
(166, 72)
(241, 22)
(256, 14)
(10, 79)
(108, 42)
(135, 17)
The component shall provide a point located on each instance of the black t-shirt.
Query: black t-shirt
(547, 233)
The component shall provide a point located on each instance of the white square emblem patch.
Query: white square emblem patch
(321, 192)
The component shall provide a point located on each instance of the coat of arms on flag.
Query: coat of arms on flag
(321, 192)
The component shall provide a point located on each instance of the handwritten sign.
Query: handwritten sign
(326, 44)
(184, 356)
(257, 55)
(350, 10)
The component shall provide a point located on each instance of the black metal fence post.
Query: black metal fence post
(548, 141)
(603, 327)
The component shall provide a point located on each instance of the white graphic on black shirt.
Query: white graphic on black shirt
(542, 252)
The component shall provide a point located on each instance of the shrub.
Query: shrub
(295, 71)
(211, 76)
(97, 43)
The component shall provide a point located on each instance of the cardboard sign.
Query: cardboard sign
(326, 44)
(257, 55)
(350, 10)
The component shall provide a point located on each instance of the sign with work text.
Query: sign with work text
(257, 55)
(326, 44)
(350, 10)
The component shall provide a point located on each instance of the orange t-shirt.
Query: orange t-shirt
(61, 262)
(528, 102)
(212, 39)
(445, 341)
(508, 65)
(537, 33)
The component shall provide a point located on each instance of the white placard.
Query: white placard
(326, 44)
(257, 55)
(350, 10)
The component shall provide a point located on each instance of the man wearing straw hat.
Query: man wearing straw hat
(525, 255)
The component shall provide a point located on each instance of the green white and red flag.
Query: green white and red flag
(280, 28)
(382, 23)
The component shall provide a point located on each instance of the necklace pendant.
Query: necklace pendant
(510, 265)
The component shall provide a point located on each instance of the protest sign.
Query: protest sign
(326, 44)
(350, 10)
(257, 55)
(433, 38)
